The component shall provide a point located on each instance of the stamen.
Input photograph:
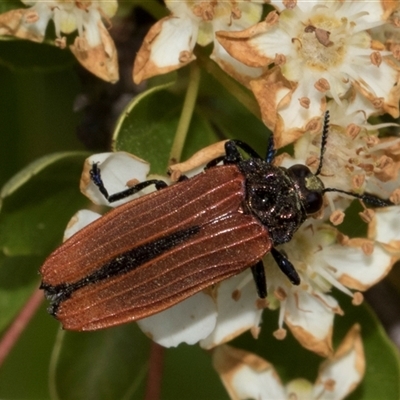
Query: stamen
(236, 293)
(333, 281)
(282, 310)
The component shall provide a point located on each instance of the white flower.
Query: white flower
(320, 49)
(170, 42)
(355, 158)
(93, 46)
(385, 229)
(248, 376)
(389, 34)
(324, 259)
(118, 171)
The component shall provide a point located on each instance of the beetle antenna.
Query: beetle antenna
(270, 150)
(374, 201)
(325, 131)
(370, 199)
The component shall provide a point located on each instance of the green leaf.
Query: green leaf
(147, 128)
(36, 206)
(38, 202)
(113, 364)
(27, 56)
(383, 362)
(188, 374)
(108, 364)
(148, 125)
(18, 279)
(6, 5)
(24, 374)
(231, 118)
(37, 117)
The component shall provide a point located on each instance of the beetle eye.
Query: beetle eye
(310, 187)
(300, 170)
(313, 202)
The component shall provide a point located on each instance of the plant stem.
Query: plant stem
(187, 112)
(154, 376)
(19, 324)
(54, 359)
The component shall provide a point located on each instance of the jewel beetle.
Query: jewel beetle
(154, 251)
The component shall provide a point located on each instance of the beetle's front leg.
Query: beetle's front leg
(232, 153)
(260, 279)
(286, 266)
(95, 176)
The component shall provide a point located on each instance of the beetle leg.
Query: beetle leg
(95, 175)
(213, 163)
(260, 279)
(286, 266)
(182, 178)
(232, 154)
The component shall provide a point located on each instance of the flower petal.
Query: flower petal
(247, 46)
(239, 71)
(81, 219)
(310, 319)
(118, 170)
(188, 321)
(271, 89)
(101, 60)
(238, 310)
(341, 374)
(167, 46)
(26, 23)
(247, 376)
(355, 269)
(385, 228)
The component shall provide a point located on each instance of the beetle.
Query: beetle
(154, 251)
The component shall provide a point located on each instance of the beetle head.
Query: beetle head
(310, 188)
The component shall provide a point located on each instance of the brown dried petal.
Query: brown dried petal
(267, 89)
(239, 46)
(11, 25)
(100, 60)
(307, 340)
(200, 158)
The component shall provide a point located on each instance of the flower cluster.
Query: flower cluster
(170, 42)
(248, 376)
(319, 50)
(93, 47)
(303, 59)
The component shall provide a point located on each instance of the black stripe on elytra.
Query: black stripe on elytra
(120, 265)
